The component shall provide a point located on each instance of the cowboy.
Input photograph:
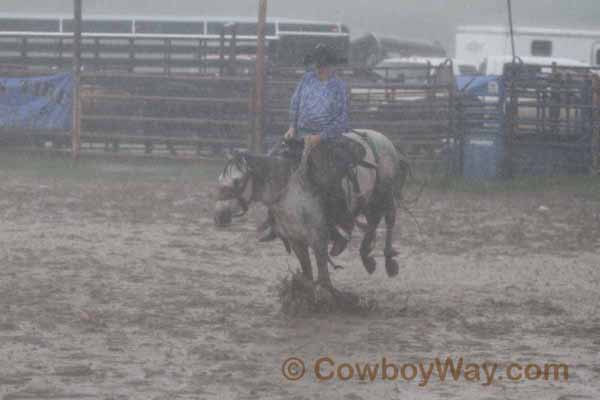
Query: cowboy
(319, 116)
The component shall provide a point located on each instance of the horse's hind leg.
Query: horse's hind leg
(368, 242)
(303, 255)
(323, 277)
(391, 265)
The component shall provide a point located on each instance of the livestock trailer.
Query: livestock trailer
(475, 43)
(161, 44)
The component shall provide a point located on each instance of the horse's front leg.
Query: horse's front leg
(301, 252)
(368, 242)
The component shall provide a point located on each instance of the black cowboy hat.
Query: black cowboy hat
(323, 56)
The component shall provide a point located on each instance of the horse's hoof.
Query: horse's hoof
(370, 264)
(391, 267)
(222, 215)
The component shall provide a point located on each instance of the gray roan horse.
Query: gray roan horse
(297, 207)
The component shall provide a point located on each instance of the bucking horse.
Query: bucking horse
(294, 200)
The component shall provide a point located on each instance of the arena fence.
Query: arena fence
(552, 123)
(200, 111)
(212, 112)
(535, 120)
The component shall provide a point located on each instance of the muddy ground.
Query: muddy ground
(114, 284)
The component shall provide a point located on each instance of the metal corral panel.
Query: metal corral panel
(551, 121)
(548, 159)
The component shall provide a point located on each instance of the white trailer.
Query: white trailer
(474, 43)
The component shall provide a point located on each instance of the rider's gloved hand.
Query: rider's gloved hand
(312, 140)
(289, 135)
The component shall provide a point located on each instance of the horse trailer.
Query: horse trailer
(475, 43)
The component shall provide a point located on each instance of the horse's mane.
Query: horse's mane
(262, 167)
(236, 161)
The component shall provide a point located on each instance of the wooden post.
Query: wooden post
(259, 91)
(76, 134)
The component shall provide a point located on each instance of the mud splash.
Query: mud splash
(301, 297)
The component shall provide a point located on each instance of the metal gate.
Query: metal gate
(552, 120)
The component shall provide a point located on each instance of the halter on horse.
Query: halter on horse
(241, 188)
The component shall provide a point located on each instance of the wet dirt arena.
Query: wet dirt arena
(114, 284)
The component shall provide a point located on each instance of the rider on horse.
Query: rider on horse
(319, 117)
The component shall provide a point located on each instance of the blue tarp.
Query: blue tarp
(490, 85)
(43, 103)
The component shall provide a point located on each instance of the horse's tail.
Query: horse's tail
(404, 172)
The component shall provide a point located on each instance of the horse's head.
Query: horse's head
(235, 188)
(247, 178)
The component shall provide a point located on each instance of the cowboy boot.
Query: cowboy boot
(339, 242)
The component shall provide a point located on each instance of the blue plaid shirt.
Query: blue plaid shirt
(320, 106)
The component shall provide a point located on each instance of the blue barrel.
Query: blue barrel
(482, 156)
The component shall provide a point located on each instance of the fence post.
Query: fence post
(24, 44)
(511, 115)
(233, 49)
(259, 103)
(595, 101)
(451, 136)
(222, 52)
(76, 134)
(131, 67)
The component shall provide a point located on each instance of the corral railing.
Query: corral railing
(199, 111)
(531, 121)
(198, 93)
(534, 120)
(552, 116)
(410, 104)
